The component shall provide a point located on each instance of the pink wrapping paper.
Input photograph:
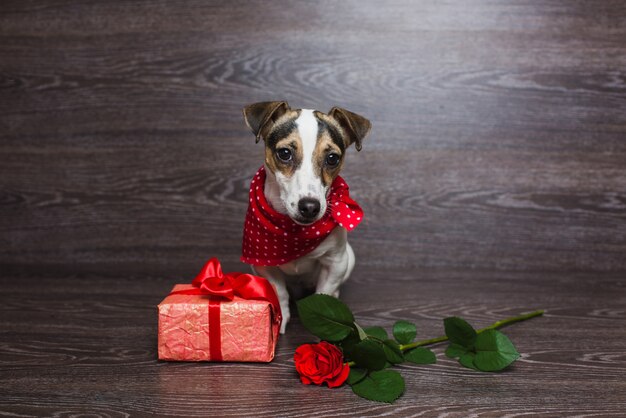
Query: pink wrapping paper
(247, 330)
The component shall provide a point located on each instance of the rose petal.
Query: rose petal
(319, 363)
(340, 378)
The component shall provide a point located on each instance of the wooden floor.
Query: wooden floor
(493, 182)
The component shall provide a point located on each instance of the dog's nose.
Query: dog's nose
(308, 207)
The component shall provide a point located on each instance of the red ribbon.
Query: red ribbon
(213, 282)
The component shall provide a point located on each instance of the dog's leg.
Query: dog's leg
(351, 261)
(336, 268)
(277, 278)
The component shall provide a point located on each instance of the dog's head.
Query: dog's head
(304, 152)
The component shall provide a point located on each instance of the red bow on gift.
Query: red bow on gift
(211, 281)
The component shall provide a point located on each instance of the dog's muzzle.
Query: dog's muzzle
(308, 208)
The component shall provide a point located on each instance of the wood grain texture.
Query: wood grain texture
(494, 179)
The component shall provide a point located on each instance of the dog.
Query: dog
(300, 212)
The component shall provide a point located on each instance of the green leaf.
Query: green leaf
(467, 360)
(392, 352)
(381, 386)
(455, 351)
(369, 354)
(494, 351)
(459, 332)
(362, 333)
(377, 332)
(404, 332)
(348, 343)
(356, 375)
(326, 317)
(420, 355)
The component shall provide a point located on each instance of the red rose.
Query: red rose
(319, 363)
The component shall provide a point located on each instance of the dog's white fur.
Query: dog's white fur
(284, 193)
(331, 263)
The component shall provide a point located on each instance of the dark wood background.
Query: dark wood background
(493, 181)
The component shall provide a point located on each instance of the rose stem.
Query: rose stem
(495, 325)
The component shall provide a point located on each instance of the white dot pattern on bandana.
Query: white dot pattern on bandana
(282, 239)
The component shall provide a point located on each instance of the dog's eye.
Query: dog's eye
(332, 160)
(284, 154)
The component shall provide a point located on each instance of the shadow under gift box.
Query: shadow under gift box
(245, 328)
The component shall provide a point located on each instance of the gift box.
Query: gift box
(219, 317)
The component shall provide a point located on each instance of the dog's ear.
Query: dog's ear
(260, 116)
(356, 126)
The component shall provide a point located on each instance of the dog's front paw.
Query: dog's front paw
(286, 317)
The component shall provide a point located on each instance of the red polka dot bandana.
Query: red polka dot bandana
(271, 238)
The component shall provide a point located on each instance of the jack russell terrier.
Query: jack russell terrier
(300, 211)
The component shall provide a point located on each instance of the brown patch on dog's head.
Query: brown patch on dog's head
(330, 148)
(355, 127)
(260, 117)
(275, 123)
(291, 142)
